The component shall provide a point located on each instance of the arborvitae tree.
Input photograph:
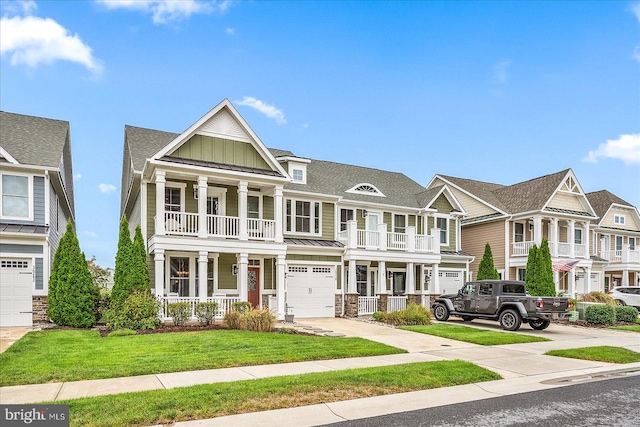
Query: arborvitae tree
(544, 266)
(72, 294)
(531, 274)
(122, 284)
(486, 270)
(139, 271)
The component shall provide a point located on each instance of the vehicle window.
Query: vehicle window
(512, 288)
(469, 289)
(485, 289)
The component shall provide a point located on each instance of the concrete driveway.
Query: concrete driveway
(10, 335)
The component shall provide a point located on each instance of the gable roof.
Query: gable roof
(482, 190)
(143, 143)
(602, 200)
(33, 140)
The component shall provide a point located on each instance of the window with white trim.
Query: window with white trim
(16, 191)
(618, 219)
(298, 175)
(577, 236)
(173, 199)
(253, 207)
(618, 243)
(365, 188)
(399, 223)
(302, 216)
(518, 232)
(632, 243)
(442, 224)
(345, 215)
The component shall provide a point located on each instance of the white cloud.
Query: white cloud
(268, 110)
(106, 188)
(164, 11)
(501, 70)
(625, 148)
(230, 31)
(32, 40)
(77, 176)
(635, 8)
(90, 233)
(19, 6)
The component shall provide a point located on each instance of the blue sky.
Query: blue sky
(493, 91)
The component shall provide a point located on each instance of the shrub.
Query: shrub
(180, 312)
(414, 314)
(206, 312)
(139, 311)
(600, 315)
(233, 319)
(241, 306)
(258, 321)
(625, 313)
(379, 316)
(599, 297)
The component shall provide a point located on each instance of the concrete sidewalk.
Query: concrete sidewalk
(523, 366)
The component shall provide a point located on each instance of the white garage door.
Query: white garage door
(311, 291)
(450, 281)
(16, 281)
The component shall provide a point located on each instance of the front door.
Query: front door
(253, 284)
(398, 283)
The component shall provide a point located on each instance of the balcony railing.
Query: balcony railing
(563, 249)
(630, 255)
(396, 303)
(225, 305)
(182, 223)
(522, 248)
(397, 241)
(368, 239)
(367, 305)
(228, 227)
(223, 226)
(261, 229)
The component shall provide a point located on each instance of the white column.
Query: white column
(587, 233)
(587, 286)
(160, 180)
(216, 273)
(382, 277)
(202, 275)
(242, 210)
(202, 207)
(280, 285)
(277, 214)
(553, 236)
(572, 238)
(435, 279)
(352, 288)
(352, 234)
(537, 230)
(382, 236)
(571, 287)
(243, 276)
(508, 248)
(411, 239)
(435, 238)
(556, 280)
(158, 259)
(410, 286)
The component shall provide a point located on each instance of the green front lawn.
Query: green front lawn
(599, 354)
(215, 400)
(72, 355)
(473, 335)
(632, 328)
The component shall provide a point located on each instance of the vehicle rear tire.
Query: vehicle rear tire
(441, 312)
(467, 318)
(539, 324)
(510, 320)
(620, 302)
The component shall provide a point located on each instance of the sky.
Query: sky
(500, 92)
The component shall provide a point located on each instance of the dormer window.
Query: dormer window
(618, 219)
(297, 171)
(298, 175)
(367, 189)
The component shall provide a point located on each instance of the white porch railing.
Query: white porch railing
(367, 305)
(183, 223)
(225, 304)
(368, 239)
(223, 226)
(263, 229)
(273, 304)
(396, 303)
(634, 256)
(580, 251)
(424, 243)
(397, 241)
(522, 248)
(564, 249)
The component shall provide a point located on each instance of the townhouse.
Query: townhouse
(36, 201)
(226, 219)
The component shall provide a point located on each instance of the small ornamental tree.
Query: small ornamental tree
(72, 294)
(486, 270)
(546, 286)
(122, 285)
(139, 274)
(531, 273)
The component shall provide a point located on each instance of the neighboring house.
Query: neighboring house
(227, 219)
(515, 217)
(616, 239)
(36, 201)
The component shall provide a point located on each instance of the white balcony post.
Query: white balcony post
(435, 278)
(352, 234)
(280, 276)
(411, 239)
(202, 207)
(587, 253)
(277, 201)
(158, 259)
(572, 238)
(202, 275)
(435, 238)
(351, 287)
(571, 287)
(587, 286)
(243, 276)
(625, 255)
(382, 238)
(215, 273)
(160, 180)
(602, 249)
(382, 277)
(553, 236)
(537, 230)
(242, 210)
(625, 277)
(411, 279)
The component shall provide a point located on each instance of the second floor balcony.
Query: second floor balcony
(624, 255)
(557, 249)
(227, 227)
(382, 240)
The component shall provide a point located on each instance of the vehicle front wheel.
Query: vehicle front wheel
(510, 320)
(539, 324)
(467, 318)
(441, 312)
(619, 302)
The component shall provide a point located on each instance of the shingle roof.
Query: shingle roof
(33, 140)
(602, 200)
(483, 190)
(144, 143)
(313, 242)
(223, 166)
(281, 153)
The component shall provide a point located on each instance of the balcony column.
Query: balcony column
(410, 286)
(280, 282)
(411, 239)
(587, 285)
(435, 279)
(216, 273)
(351, 286)
(603, 248)
(242, 210)
(277, 203)
(537, 230)
(571, 286)
(158, 260)
(572, 238)
(553, 236)
(382, 277)
(203, 260)
(243, 276)
(382, 236)
(587, 252)
(352, 234)
(160, 180)
(435, 239)
(202, 207)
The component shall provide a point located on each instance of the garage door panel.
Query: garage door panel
(16, 282)
(310, 291)
(450, 281)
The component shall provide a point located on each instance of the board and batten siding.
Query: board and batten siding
(220, 150)
(475, 237)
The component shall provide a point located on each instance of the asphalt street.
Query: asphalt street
(611, 402)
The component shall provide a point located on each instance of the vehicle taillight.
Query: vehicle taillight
(570, 304)
(610, 291)
(540, 303)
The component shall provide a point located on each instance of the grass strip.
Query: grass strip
(599, 354)
(72, 355)
(632, 328)
(216, 400)
(473, 335)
